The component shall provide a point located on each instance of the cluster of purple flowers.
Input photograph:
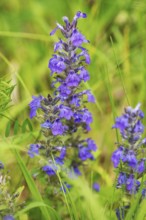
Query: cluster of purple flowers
(64, 115)
(130, 158)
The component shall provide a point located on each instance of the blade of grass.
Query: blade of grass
(109, 89)
(31, 185)
(119, 71)
(41, 37)
(35, 205)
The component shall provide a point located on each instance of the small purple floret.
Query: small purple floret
(58, 128)
(96, 187)
(85, 154)
(34, 105)
(49, 169)
(33, 150)
(77, 38)
(117, 156)
(57, 64)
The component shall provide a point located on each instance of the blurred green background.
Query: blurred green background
(117, 34)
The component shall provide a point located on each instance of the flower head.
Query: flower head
(65, 114)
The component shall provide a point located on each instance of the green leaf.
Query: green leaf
(142, 211)
(26, 124)
(8, 128)
(31, 185)
(16, 127)
(33, 205)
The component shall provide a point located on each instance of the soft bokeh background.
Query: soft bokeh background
(117, 34)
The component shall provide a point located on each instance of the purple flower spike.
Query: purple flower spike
(64, 114)
(132, 151)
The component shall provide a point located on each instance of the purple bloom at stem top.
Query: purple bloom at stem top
(64, 115)
(129, 157)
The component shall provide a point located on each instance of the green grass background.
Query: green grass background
(117, 34)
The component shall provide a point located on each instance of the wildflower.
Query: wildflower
(57, 64)
(8, 217)
(96, 187)
(117, 156)
(84, 75)
(129, 158)
(132, 184)
(33, 150)
(76, 171)
(121, 179)
(77, 38)
(58, 128)
(34, 105)
(141, 166)
(91, 144)
(64, 114)
(85, 154)
(50, 169)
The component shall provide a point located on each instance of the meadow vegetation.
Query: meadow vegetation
(117, 35)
